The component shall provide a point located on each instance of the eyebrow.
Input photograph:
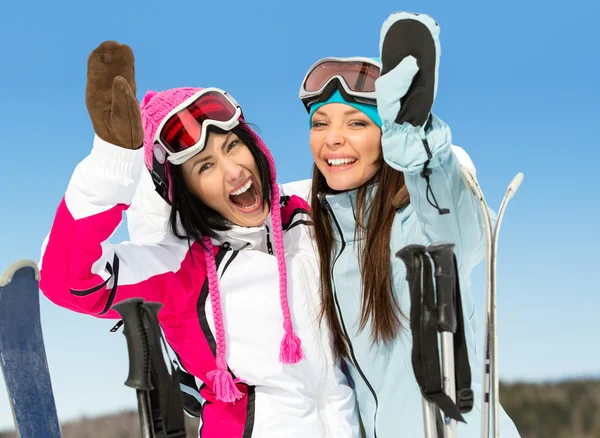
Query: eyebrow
(226, 141)
(351, 111)
(208, 157)
(346, 113)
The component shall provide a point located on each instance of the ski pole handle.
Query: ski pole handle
(153, 308)
(408, 255)
(137, 344)
(442, 255)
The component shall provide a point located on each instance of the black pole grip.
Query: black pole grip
(154, 308)
(160, 378)
(408, 256)
(442, 255)
(137, 344)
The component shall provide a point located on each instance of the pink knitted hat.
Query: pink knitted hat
(154, 107)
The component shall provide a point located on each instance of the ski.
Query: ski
(23, 355)
(490, 358)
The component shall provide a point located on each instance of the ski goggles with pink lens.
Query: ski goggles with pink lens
(182, 133)
(354, 77)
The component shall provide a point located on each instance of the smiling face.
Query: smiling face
(225, 177)
(346, 146)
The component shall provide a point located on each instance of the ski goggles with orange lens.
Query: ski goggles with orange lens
(182, 133)
(354, 77)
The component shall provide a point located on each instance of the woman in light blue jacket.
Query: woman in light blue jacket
(386, 176)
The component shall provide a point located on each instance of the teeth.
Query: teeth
(340, 161)
(243, 189)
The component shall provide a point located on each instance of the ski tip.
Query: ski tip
(468, 178)
(515, 183)
(12, 269)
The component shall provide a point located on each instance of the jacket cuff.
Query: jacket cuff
(117, 161)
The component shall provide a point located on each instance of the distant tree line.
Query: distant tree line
(567, 409)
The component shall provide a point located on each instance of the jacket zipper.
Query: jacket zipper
(319, 341)
(269, 246)
(339, 310)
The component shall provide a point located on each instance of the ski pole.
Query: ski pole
(139, 360)
(413, 257)
(442, 255)
(165, 399)
(436, 313)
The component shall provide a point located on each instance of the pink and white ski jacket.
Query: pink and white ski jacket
(82, 271)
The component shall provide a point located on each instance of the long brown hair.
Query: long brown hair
(374, 224)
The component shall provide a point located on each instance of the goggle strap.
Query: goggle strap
(159, 178)
(333, 85)
(362, 77)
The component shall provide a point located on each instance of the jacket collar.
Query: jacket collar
(342, 207)
(247, 237)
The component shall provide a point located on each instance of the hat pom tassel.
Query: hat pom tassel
(224, 386)
(291, 348)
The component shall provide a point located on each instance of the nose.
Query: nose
(334, 138)
(233, 172)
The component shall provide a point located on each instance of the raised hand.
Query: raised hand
(410, 51)
(110, 95)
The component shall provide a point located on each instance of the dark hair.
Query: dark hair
(197, 219)
(379, 303)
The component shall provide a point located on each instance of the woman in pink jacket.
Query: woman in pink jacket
(237, 276)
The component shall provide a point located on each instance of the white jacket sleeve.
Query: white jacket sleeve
(80, 268)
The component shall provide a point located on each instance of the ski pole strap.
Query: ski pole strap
(464, 393)
(117, 326)
(450, 317)
(425, 325)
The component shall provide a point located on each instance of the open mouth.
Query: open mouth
(246, 198)
(340, 163)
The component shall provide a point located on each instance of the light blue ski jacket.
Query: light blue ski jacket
(389, 398)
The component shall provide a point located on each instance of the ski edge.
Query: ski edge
(473, 185)
(11, 403)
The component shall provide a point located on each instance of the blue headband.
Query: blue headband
(369, 110)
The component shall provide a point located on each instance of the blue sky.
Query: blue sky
(518, 86)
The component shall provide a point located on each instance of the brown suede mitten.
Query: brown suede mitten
(110, 95)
